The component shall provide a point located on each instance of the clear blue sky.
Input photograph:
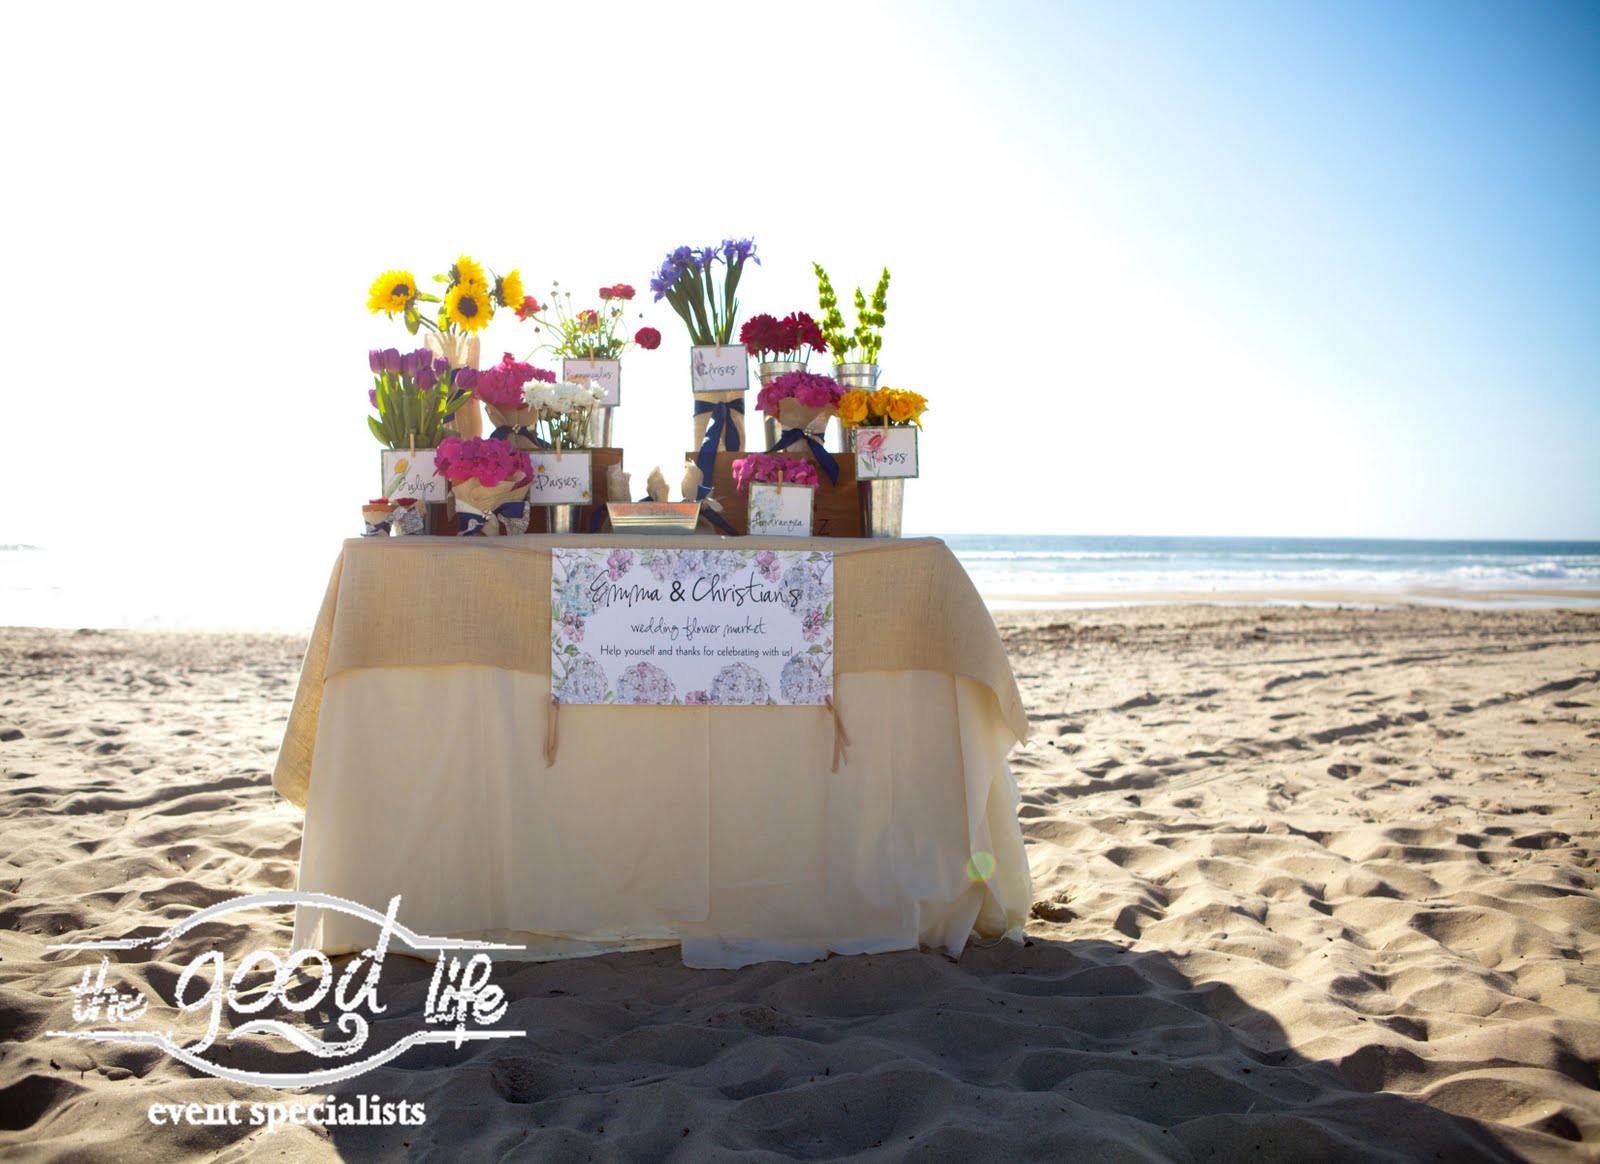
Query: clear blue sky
(1163, 268)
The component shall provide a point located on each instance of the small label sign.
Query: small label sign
(408, 474)
(781, 512)
(884, 453)
(563, 480)
(606, 373)
(714, 369)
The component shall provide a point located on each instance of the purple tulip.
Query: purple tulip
(372, 395)
(425, 379)
(440, 365)
(375, 361)
(465, 378)
(391, 360)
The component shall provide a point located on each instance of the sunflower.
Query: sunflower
(508, 290)
(467, 306)
(467, 270)
(391, 292)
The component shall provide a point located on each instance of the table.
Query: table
(416, 748)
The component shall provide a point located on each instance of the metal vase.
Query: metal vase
(600, 428)
(771, 371)
(856, 376)
(561, 519)
(884, 500)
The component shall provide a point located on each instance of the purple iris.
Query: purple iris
(737, 250)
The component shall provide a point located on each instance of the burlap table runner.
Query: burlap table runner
(901, 605)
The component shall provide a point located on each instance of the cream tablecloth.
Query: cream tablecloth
(416, 747)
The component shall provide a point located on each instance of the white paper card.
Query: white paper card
(691, 628)
(885, 452)
(606, 373)
(408, 474)
(560, 481)
(781, 512)
(716, 369)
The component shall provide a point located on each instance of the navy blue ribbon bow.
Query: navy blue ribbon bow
(521, 430)
(721, 429)
(471, 524)
(825, 460)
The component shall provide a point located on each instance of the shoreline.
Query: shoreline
(1500, 598)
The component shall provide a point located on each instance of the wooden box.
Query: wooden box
(837, 510)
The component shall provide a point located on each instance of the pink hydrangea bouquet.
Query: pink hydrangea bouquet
(503, 390)
(801, 400)
(483, 459)
(772, 468)
(489, 480)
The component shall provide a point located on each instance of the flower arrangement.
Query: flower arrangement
(770, 339)
(773, 469)
(868, 333)
(688, 282)
(412, 394)
(805, 388)
(502, 386)
(564, 411)
(470, 297)
(887, 407)
(591, 333)
(483, 459)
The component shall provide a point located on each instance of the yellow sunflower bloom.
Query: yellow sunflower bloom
(467, 306)
(468, 271)
(391, 292)
(508, 290)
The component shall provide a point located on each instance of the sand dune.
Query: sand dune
(1311, 885)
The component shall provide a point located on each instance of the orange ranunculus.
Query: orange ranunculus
(853, 407)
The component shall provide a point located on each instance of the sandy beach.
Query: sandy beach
(1309, 884)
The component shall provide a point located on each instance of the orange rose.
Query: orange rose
(853, 407)
(878, 402)
(899, 406)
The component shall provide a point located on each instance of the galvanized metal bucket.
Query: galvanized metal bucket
(771, 371)
(561, 519)
(856, 376)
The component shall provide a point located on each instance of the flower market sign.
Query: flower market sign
(691, 627)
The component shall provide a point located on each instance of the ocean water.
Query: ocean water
(1020, 571)
(264, 585)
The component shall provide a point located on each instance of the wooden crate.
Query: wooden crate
(836, 512)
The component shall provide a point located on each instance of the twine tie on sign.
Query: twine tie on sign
(551, 729)
(841, 741)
